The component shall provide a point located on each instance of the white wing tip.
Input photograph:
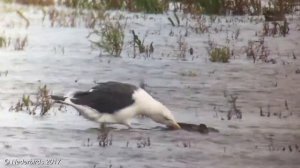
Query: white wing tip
(70, 94)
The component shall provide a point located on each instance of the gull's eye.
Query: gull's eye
(166, 118)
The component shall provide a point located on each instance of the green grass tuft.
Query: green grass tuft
(111, 38)
(220, 55)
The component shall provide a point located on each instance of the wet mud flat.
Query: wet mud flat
(255, 140)
(196, 90)
(141, 147)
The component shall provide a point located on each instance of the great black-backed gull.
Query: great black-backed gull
(115, 102)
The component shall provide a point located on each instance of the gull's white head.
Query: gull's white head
(164, 116)
(153, 109)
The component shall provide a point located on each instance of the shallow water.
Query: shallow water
(62, 59)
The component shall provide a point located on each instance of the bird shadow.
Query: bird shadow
(201, 128)
(118, 129)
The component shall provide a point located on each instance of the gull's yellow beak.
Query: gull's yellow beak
(175, 126)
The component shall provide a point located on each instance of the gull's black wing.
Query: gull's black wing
(107, 97)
